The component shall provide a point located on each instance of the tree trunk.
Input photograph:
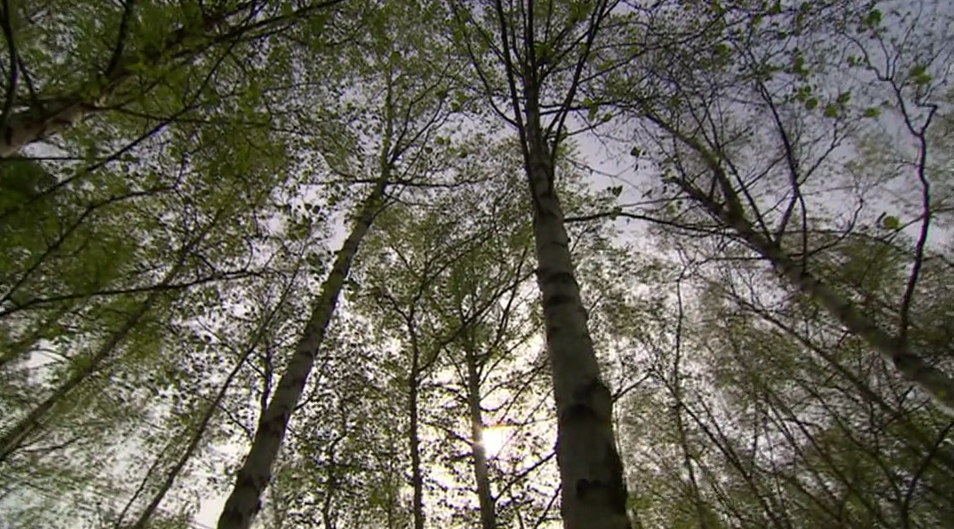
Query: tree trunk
(34, 125)
(593, 493)
(244, 501)
(173, 473)
(414, 440)
(488, 516)
(935, 383)
(328, 513)
(698, 502)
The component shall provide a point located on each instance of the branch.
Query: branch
(11, 93)
(121, 39)
(715, 229)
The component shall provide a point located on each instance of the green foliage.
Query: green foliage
(919, 75)
(181, 228)
(22, 178)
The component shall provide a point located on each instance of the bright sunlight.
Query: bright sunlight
(493, 438)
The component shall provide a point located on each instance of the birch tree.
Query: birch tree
(437, 275)
(390, 148)
(531, 57)
(771, 205)
(120, 56)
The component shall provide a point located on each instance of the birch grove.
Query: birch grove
(496, 263)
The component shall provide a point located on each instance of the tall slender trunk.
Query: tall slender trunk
(143, 520)
(676, 388)
(392, 499)
(329, 514)
(414, 439)
(171, 444)
(593, 493)
(252, 478)
(935, 383)
(16, 435)
(488, 515)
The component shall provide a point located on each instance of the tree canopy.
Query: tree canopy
(601, 264)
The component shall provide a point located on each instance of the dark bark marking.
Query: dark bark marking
(906, 361)
(578, 411)
(617, 487)
(546, 192)
(548, 276)
(584, 399)
(558, 299)
(614, 488)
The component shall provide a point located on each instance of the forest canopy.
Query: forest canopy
(591, 264)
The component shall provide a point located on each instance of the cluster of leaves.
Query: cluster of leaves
(173, 175)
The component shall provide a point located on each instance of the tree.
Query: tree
(120, 52)
(538, 66)
(182, 314)
(410, 114)
(710, 155)
(438, 277)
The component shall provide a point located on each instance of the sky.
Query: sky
(605, 162)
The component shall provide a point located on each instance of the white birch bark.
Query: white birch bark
(938, 385)
(244, 501)
(488, 515)
(33, 125)
(594, 494)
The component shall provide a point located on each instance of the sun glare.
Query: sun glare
(493, 439)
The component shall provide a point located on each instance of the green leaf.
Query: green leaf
(920, 75)
(542, 52)
(22, 178)
(831, 111)
(871, 112)
(798, 65)
(891, 222)
(811, 103)
(591, 108)
(843, 98)
(579, 10)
